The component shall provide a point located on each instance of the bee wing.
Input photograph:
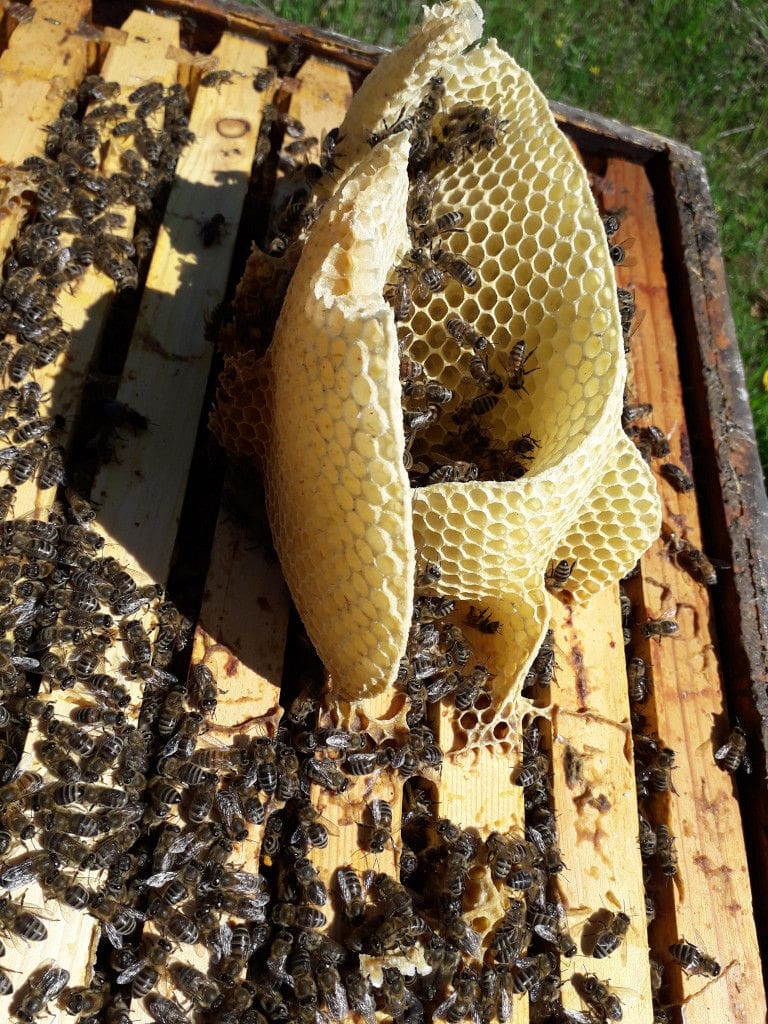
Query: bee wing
(504, 1008)
(221, 942)
(130, 972)
(247, 881)
(470, 942)
(377, 809)
(746, 764)
(170, 747)
(158, 880)
(336, 1002)
(112, 934)
(544, 931)
(444, 1007)
(54, 980)
(366, 1008)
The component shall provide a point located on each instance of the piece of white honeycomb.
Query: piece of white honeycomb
(323, 407)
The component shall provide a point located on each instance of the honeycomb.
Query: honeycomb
(326, 399)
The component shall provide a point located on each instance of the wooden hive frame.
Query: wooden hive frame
(684, 360)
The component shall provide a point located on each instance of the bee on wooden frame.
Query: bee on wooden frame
(665, 625)
(218, 78)
(732, 755)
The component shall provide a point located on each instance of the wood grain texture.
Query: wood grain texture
(321, 90)
(688, 699)
(596, 807)
(242, 628)
(169, 361)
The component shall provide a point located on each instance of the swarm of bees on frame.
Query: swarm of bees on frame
(136, 822)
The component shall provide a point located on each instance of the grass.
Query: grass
(695, 71)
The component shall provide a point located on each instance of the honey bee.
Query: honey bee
(558, 574)
(676, 476)
(165, 1011)
(612, 221)
(203, 992)
(457, 267)
(429, 391)
(529, 973)
(665, 850)
(480, 619)
(20, 788)
(516, 362)
(465, 334)
(21, 922)
(445, 224)
(693, 960)
(85, 1001)
(400, 124)
(324, 774)
(652, 442)
(637, 680)
(41, 987)
(611, 936)
(647, 838)
(693, 560)
(661, 627)
(22, 362)
(399, 294)
(451, 472)
(421, 198)
(430, 278)
(462, 1003)
(204, 689)
(486, 379)
(618, 252)
(658, 773)
(381, 815)
(218, 78)
(332, 992)
(264, 78)
(352, 894)
(213, 230)
(599, 996)
(733, 753)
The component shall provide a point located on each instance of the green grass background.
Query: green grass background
(694, 70)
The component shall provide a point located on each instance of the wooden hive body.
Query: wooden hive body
(218, 565)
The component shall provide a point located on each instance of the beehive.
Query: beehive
(221, 568)
(345, 523)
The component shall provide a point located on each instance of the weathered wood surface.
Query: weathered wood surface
(687, 699)
(595, 799)
(168, 365)
(243, 589)
(322, 90)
